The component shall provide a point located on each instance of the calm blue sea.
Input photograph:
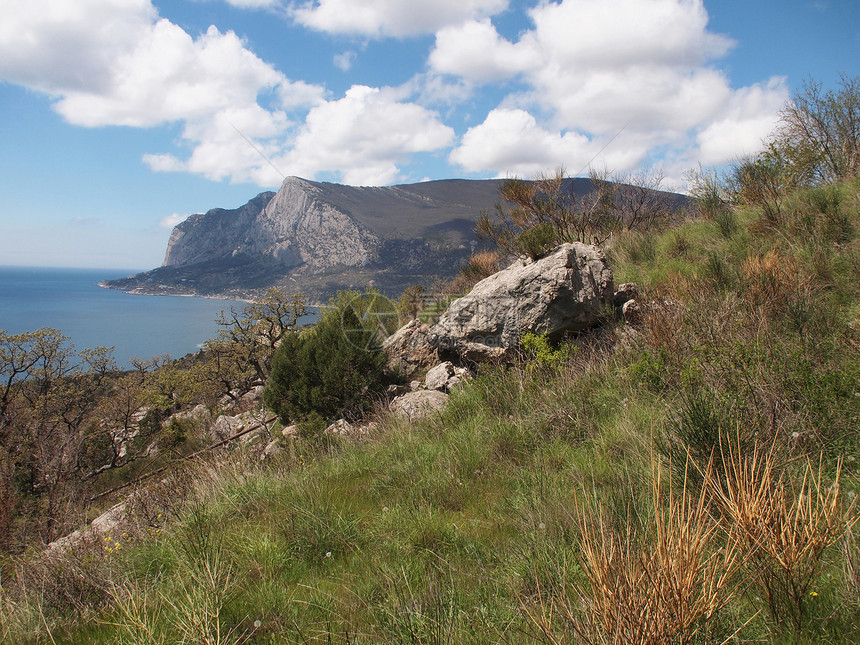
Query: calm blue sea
(71, 300)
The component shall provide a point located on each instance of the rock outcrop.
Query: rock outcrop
(568, 290)
(408, 350)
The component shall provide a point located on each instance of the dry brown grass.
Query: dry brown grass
(662, 587)
(480, 265)
(772, 280)
(784, 526)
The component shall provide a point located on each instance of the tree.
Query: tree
(335, 368)
(241, 354)
(819, 132)
(535, 216)
(49, 393)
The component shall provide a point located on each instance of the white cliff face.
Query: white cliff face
(298, 227)
(213, 235)
(294, 227)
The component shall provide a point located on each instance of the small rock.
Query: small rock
(625, 292)
(272, 448)
(340, 427)
(414, 405)
(225, 427)
(632, 312)
(290, 431)
(437, 378)
(396, 390)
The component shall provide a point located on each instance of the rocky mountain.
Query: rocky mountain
(320, 237)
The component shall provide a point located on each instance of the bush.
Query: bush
(334, 369)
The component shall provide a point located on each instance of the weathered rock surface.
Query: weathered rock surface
(624, 292)
(226, 427)
(111, 520)
(340, 427)
(567, 290)
(445, 376)
(632, 312)
(408, 349)
(414, 405)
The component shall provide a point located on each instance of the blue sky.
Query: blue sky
(118, 118)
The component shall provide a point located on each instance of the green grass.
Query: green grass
(467, 527)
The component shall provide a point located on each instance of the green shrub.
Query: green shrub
(334, 369)
(536, 242)
(539, 348)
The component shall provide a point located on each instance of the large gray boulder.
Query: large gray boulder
(568, 290)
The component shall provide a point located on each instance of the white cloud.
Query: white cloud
(363, 137)
(69, 45)
(114, 62)
(603, 67)
(254, 4)
(172, 220)
(474, 51)
(511, 141)
(344, 60)
(751, 115)
(398, 18)
(168, 76)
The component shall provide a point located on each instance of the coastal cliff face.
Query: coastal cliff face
(214, 234)
(320, 237)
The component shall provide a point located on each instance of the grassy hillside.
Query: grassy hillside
(553, 501)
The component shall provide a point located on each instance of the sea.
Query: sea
(134, 325)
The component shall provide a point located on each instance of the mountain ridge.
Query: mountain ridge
(319, 237)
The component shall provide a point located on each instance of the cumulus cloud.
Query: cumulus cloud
(513, 140)
(638, 71)
(752, 111)
(115, 62)
(364, 136)
(398, 18)
(475, 51)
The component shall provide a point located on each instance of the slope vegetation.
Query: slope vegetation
(687, 479)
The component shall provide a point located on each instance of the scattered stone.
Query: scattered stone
(224, 427)
(445, 376)
(272, 448)
(290, 431)
(625, 292)
(396, 390)
(340, 427)
(415, 385)
(237, 402)
(415, 405)
(567, 290)
(252, 396)
(112, 520)
(632, 312)
(437, 377)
